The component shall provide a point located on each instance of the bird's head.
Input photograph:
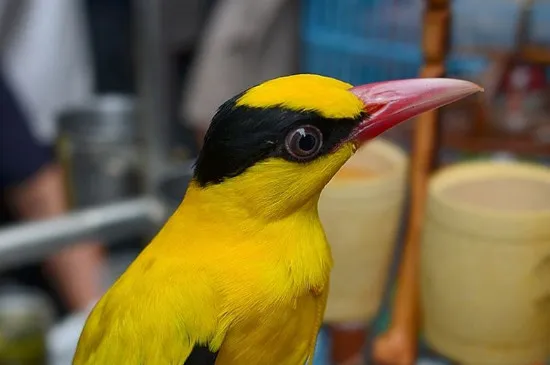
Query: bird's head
(272, 148)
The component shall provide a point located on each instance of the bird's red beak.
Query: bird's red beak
(392, 102)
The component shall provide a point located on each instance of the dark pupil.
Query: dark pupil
(307, 142)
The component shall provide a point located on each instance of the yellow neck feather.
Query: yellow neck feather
(212, 222)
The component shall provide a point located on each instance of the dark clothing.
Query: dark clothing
(21, 156)
(20, 153)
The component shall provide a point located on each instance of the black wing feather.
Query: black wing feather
(201, 355)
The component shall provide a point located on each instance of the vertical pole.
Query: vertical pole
(398, 346)
(153, 91)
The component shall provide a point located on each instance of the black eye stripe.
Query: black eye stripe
(239, 137)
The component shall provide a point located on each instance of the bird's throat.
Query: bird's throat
(294, 245)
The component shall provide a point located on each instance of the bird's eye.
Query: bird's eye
(304, 142)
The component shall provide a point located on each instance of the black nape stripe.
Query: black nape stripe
(241, 136)
(201, 355)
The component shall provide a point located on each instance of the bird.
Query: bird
(239, 274)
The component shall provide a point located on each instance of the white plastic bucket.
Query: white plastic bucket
(361, 215)
(485, 263)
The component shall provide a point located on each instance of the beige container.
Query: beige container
(360, 210)
(485, 263)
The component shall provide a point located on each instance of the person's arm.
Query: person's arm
(34, 188)
(77, 270)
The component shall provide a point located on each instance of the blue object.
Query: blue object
(540, 30)
(322, 348)
(361, 41)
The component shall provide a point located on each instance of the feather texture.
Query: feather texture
(216, 276)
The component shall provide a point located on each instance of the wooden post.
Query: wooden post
(398, 346)
(348, 343)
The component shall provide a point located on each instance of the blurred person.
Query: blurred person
(245, 42)
(44, 68)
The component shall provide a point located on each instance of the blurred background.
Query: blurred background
(104, 104)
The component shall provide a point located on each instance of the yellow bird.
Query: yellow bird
(239, 274)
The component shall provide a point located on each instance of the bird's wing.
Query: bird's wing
(153, 316)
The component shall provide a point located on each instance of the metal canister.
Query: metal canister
(98, 148)
(25, 317)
